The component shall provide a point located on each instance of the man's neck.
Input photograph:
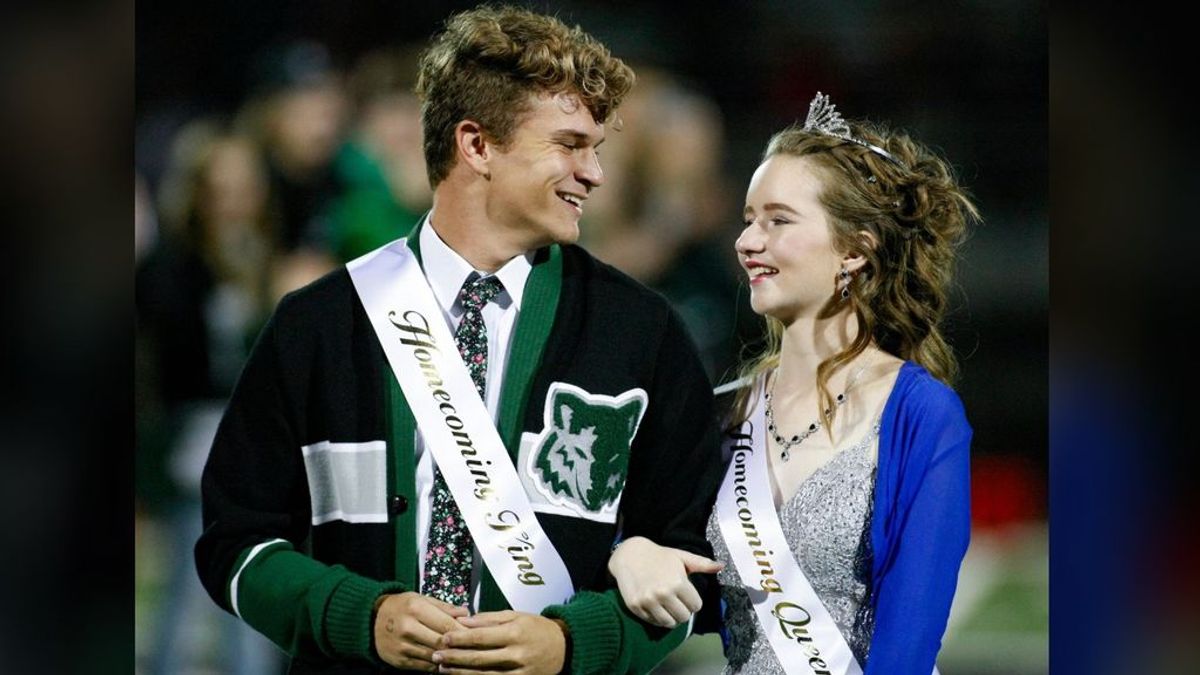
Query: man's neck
(472, 235)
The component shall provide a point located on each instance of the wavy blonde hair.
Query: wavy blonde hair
(917, 214)
(488, 61)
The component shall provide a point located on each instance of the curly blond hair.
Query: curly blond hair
(489, 61)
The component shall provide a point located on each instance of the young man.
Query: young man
(568, 409)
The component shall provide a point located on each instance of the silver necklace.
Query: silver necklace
(788, 443)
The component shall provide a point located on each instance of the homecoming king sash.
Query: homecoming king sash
(798, 627)
(457, 428)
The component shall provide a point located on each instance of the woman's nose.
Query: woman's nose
(750, 240)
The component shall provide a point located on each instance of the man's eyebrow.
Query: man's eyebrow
(577, 136)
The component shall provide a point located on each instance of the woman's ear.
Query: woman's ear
(854, 260)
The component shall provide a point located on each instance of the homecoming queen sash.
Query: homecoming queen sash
(457, 428)
(797, 624)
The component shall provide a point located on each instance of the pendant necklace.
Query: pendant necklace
(788, 443)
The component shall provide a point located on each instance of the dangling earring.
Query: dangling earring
(844, 283)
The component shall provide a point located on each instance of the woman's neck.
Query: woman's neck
(806, 343)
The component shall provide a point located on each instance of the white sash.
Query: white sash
(797, 624)
(457, 428)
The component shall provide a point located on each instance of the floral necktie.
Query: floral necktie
(448, 556)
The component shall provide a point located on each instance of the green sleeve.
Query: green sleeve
(607, 638)
(304, 605)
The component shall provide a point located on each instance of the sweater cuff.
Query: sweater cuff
(595, 632)
(350, 613)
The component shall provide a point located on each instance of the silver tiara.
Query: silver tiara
(824, 118)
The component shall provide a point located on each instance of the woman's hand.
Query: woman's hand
(654, 582)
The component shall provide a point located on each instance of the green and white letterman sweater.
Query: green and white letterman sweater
(306, 491)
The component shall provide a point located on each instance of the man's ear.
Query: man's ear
(474, 148)
(854, 260)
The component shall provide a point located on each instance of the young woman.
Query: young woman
(843, 517)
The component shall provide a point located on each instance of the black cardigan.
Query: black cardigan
(318, 374)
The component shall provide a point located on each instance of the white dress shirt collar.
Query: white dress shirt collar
(446, 271)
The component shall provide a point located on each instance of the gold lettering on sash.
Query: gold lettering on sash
(415, 325)
(793, 627)
(741, 450)
(518, 547)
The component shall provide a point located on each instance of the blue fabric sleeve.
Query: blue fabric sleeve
(920, 540)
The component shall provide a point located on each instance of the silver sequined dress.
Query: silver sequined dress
(831, 513)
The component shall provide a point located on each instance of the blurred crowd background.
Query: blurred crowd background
(276, 140)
